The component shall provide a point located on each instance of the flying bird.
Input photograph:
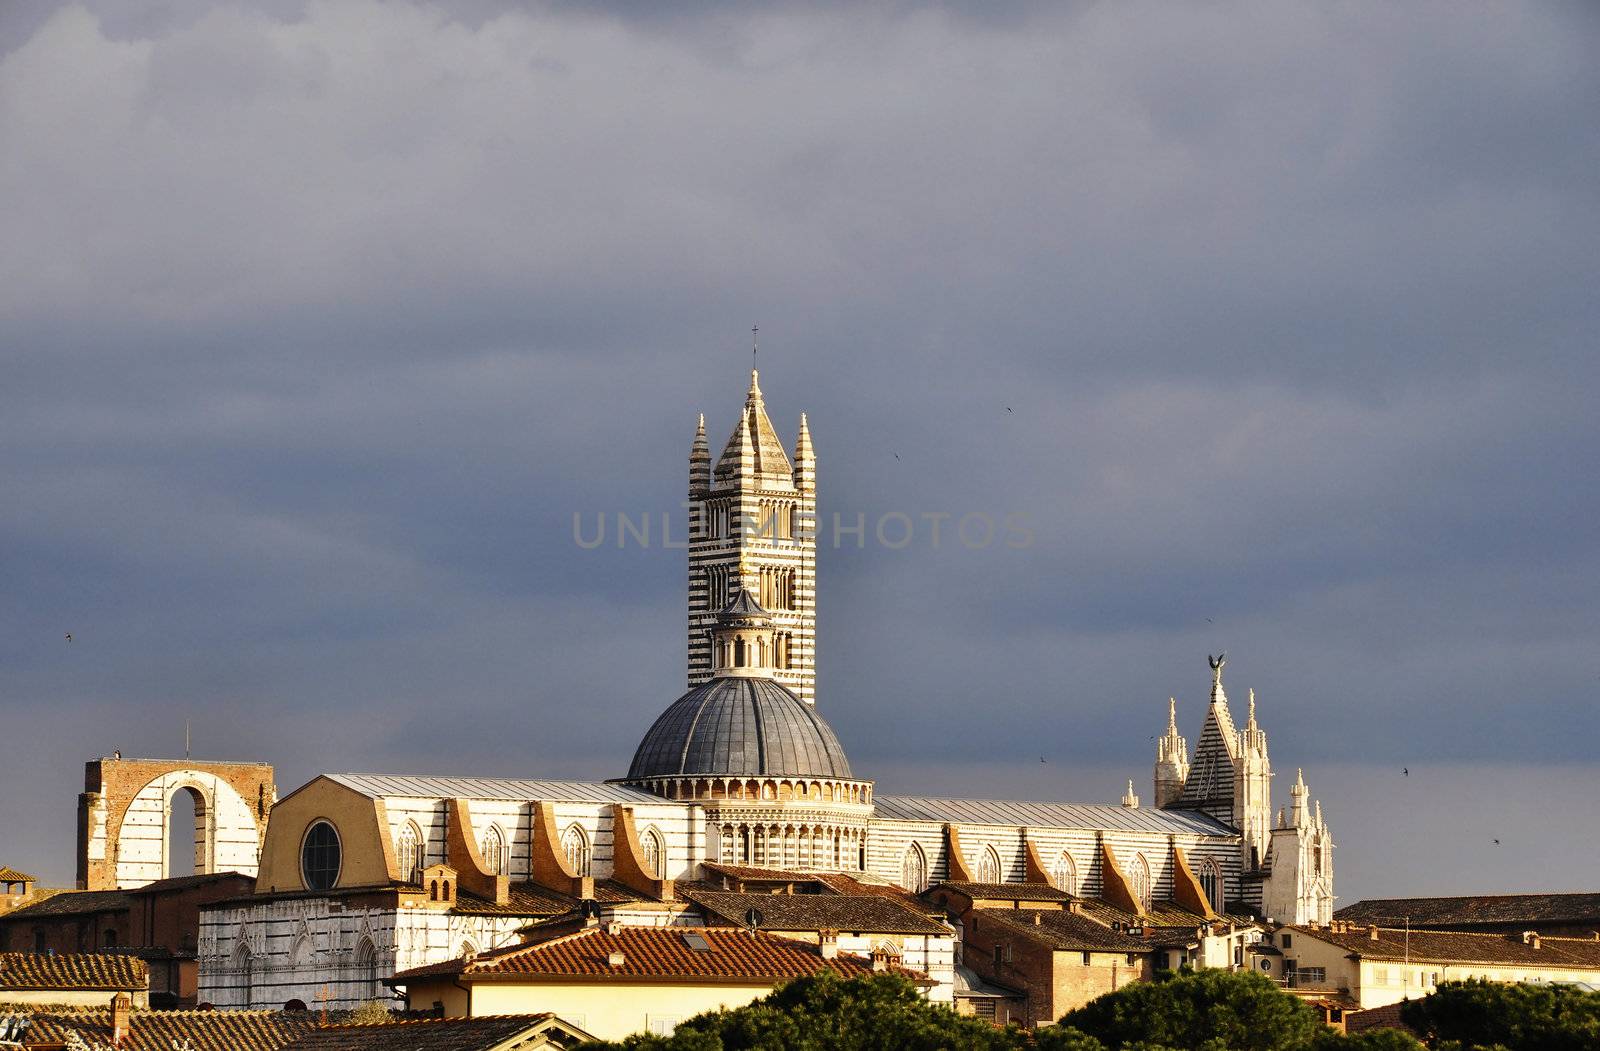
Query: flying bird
(1497, 842)
(1008, 408)
(1041, 759)
(1406, 770)
(897, 456)
(69, 636)
(1210, 621)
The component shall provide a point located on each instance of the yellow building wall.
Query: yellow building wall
(609, 1010)
(364, 846)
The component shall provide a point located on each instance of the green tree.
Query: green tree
(1475, 1015)
(829, 1013)
(1199, 1011)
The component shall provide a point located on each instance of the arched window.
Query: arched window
(493, 849)
(914, 870)
(365, 966)
(244, 968)
(1064, 874)
(1211, 882)
(1139, 879)
(575, 844)
(300, 952)
(409, 852)
(989, 866)
(655, 853)
(320, 857)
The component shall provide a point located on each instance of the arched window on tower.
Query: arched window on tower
(989, 866)
(914, 870)
(409, 851)
(738, 653)
(493, 849)
(575, 845)
(1064, 874)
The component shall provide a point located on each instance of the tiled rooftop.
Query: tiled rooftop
(423, 1034)
(531, 899)
(867, 913)
(1478, 908)
(71, 971)
(165, 1030)
(1060, 930)
(1007, 891)
(1050, 815)
(653, 953)
(11, 875)
(73, 903)
(1461, 947)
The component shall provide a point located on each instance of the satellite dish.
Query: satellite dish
(753, 918)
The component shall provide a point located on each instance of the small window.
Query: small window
(1288, 941)
(320, 857)
(983, 1008)
(1088, 959)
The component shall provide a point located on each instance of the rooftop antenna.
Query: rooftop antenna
(186, 738)
(755, 343)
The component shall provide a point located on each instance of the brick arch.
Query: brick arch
(125, 813)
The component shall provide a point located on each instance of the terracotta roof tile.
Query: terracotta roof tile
(28, 970)
(870, 913)
(164, 1030)
(1060, 930)
(665, 953)
(74, 903)
(1007, 891)
(531, 899)
(422, 1034)
(1461, 947)
(11, 875)
(1479, 908)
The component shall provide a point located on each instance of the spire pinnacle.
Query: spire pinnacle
(1172, 715)
(1252, 723)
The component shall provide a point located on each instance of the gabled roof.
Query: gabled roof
(864, 913)
(667, 954)
(484, 1033)
(1477, 908)
(164, 1030)
(186, 882)
(72, 971)
(1107, 816)
(377, 786)
(1460, 947)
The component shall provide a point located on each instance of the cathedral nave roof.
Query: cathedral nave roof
(1102, 816)
(378, 786)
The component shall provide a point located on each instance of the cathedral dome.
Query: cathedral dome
(740, 726)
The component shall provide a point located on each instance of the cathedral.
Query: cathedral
(364, 875)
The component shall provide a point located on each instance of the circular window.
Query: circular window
(319, 857)
(1266, 965)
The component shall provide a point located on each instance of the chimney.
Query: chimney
(1038, 919)
(121, 1009)
(883, 959)
(1530, 938)
(1372, 931)
(616, 960)
(828, 944)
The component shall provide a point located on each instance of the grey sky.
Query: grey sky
(319, 321)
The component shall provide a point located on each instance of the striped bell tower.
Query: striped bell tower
(752, 525)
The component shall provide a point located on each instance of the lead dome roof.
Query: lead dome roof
(739, 726)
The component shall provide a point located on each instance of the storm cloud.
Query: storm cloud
(1274, 322)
